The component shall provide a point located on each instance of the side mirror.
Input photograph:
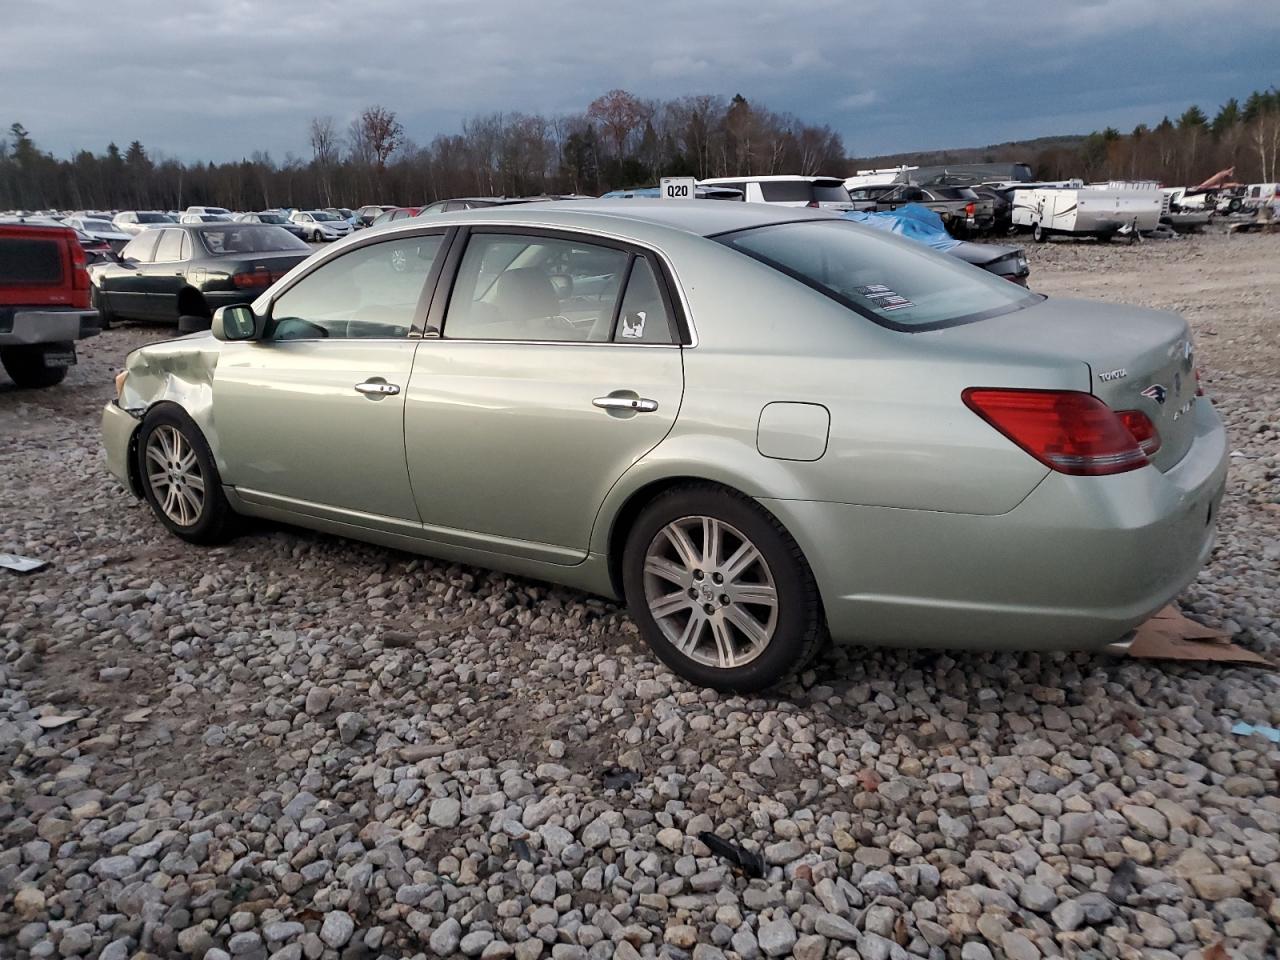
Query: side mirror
(236, 322)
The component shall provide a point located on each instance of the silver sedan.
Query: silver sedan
(761, 427)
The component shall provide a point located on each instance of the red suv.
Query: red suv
(44, 302)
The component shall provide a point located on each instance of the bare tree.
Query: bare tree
(382, 133)
(619, 113)
(325, 142)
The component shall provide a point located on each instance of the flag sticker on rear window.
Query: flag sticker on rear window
(883, 298)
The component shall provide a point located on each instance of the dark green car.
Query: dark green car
(190, 270)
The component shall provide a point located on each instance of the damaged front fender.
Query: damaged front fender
(178, 371)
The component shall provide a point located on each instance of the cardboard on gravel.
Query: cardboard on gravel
(1171, 636)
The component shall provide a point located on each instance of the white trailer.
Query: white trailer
(1097, 211)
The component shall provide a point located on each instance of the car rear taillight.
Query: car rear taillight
(812, 203)
(1141, 429)
(253, 280)
(970, 209)
(1067, 431)
(79, 267)
(1199, 385)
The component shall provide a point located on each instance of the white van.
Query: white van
(788, 191)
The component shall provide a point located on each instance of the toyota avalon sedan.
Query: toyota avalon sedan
(761, 426)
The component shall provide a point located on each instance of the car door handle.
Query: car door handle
(377, 388)
(638, 404)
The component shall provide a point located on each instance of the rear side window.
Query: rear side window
(533, 287)
(786, 191)
(644, 317)
(898, 283)
(30, 261)
(170, 247)
(142, 247)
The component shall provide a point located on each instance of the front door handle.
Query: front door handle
(638, 404)
(374, 389)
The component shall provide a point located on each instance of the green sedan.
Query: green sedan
(762, 427)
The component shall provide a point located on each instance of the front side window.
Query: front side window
(370, 292)
(898, 283)
(527, 287)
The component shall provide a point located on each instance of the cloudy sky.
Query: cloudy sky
(218, 79)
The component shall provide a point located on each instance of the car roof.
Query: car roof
(772, 178)
(699, 217)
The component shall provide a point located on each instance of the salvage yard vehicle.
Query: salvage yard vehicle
(923, 225)
(320, 225)
(394, 215)
(962, 211)
(44, 302)
(759, 426)
(788, 191)
(104, 231)
(1097, 210)
(275, 218)
(367, 214)
(135, 221)
(181, 270)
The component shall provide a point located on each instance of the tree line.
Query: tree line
(619, 140)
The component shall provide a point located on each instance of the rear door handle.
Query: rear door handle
(638, 404)
(377, 388)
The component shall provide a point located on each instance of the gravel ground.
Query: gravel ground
(296, 746)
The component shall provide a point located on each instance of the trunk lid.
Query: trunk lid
(1138, 359)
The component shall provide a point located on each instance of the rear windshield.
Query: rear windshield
(154, 218)
(249, 238)
(30, 261)
(898, 283)
(802, 191)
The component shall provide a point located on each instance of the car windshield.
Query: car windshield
(97, 225)
(324, 217)
(898, 283)
(271, 218)
(249, 238)
(154, 218)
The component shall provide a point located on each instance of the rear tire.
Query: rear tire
(741, 615)
(1039, 234)
(25, 365)
(179, 478)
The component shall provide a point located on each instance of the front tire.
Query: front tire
(26, 367)
(720, 590)
(180, 479)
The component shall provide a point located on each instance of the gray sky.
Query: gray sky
(218, 79)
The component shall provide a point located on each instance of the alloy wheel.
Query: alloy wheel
(710, 591)
(174, 474)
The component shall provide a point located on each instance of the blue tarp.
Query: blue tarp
(913, 221)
